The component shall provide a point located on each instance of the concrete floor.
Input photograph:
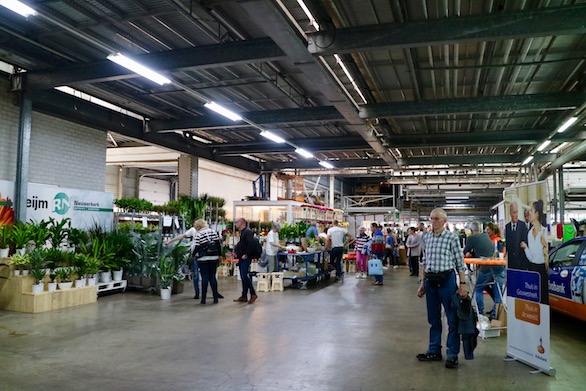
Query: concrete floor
(349, 336)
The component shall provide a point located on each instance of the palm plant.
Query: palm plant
(39, 232)
(4, 235)
(80, 262)
(20, 235)
(167, 272)
(64, 274)
(59, 231)
(38, 262)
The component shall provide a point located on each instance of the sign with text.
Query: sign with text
(85, 208)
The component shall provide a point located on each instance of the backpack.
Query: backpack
(256, 248)
(210, 249)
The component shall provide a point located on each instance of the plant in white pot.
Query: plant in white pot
(79, 261)
(38, 262)
(93, 266)
(59, 232)
(4, 240)
(64, 274)
(20, 235)
(52, 285)
(167, 273)
(20, 262)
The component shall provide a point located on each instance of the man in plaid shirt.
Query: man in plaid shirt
(442, 257)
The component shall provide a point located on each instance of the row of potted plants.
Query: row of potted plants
(16, 237)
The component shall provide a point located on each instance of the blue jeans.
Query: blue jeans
(195, 269)
(244, 268)
(336, 254)
(379, 278)
(486, 275)
(208, 274)
(435, 298)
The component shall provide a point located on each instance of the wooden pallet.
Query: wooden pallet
(111, 286)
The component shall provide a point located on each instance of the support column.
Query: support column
(187, 175)
(23, 157)
(332, 190)
(555, 197)
(562, 195)
(267, 185)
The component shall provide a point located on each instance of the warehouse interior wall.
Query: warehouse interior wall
(62, 153)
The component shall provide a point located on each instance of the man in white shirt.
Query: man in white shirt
(338, 237)
(273, 246)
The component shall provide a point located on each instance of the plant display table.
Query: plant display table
(16, 295)
(303, 267)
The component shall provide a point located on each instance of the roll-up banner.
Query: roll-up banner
(527, 234)
(85, 208)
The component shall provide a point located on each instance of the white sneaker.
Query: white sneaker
(385, 268)
(358, 275)
(363, 275)
(395, 267)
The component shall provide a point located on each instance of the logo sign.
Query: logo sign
(61, 203)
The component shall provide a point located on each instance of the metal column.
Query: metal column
(22, 157)
(332, 190)
(562, 197)
(555, 197)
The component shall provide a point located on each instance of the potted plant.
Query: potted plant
(93, 266)
(168, 273)
(20, 262)
(179, 254)
(64, 274)
(312, 244)
(39, 233)
(52, 285)
(4, 239)
(79, 261)
(20, 235)
(38, 261)
(59, 232)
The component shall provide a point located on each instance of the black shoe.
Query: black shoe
(203, 302)
(220, 296)
(452, 362)
(196, 297)
(430, 357)
(215, 301)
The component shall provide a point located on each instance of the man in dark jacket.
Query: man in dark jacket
(515, 233)
(244, 250)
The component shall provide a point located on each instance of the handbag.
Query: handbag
(438, 280)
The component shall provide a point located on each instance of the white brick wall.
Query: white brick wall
(62, 153)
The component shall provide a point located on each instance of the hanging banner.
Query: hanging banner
(527, 234)
(85, 208)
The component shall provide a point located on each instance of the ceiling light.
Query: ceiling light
(544, 145)
(458, 192)
(134, 66)
(273, 137)
(18, 7)
(527, 160)
(567, 124)
(457, 198)
(326, 165)
(223, 111)
(559, 147)
(308, 14)
(306, 154)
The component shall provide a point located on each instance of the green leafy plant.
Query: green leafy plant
(5, 235)
(38, 263)
(93, 265)
(20, 235)
(64, 274)
(168, 271)
(76, 237)
(21, 261)
(39, 232)
(80, 262)
(59, 231)
(136, 205)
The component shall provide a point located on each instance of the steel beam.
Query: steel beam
(267, 117)
(483, 104)
(323, 144)
(311, 163)
(468, 139)
(76, 110)
(472, 159)
(200, 57)
(540, 22)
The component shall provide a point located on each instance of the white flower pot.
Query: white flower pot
(80, 283)
(311, 249)
(25, 272)
(65, 285)
(4, 252)
(91, 281)
(117, 275)
(21, 251)
(38, 288)
(105, 276)
(52, 286)
(17, 272)
(165, 293)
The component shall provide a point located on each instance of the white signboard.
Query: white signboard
(85, 208)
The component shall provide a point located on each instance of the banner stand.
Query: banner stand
(550, 372)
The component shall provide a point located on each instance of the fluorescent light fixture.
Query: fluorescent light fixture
(273, 137)
(308, 14)
(134, 66)
(456, 198)
(350, 77)
(326, 165)
(306, 154)
(559, 147)
(544, 145)
(223, 111)
(18, 7)
(458, 192)
(527, 160)
(567, 124)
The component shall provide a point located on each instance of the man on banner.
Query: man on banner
(515, 233)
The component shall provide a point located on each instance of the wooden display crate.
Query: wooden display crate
(16, 295)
